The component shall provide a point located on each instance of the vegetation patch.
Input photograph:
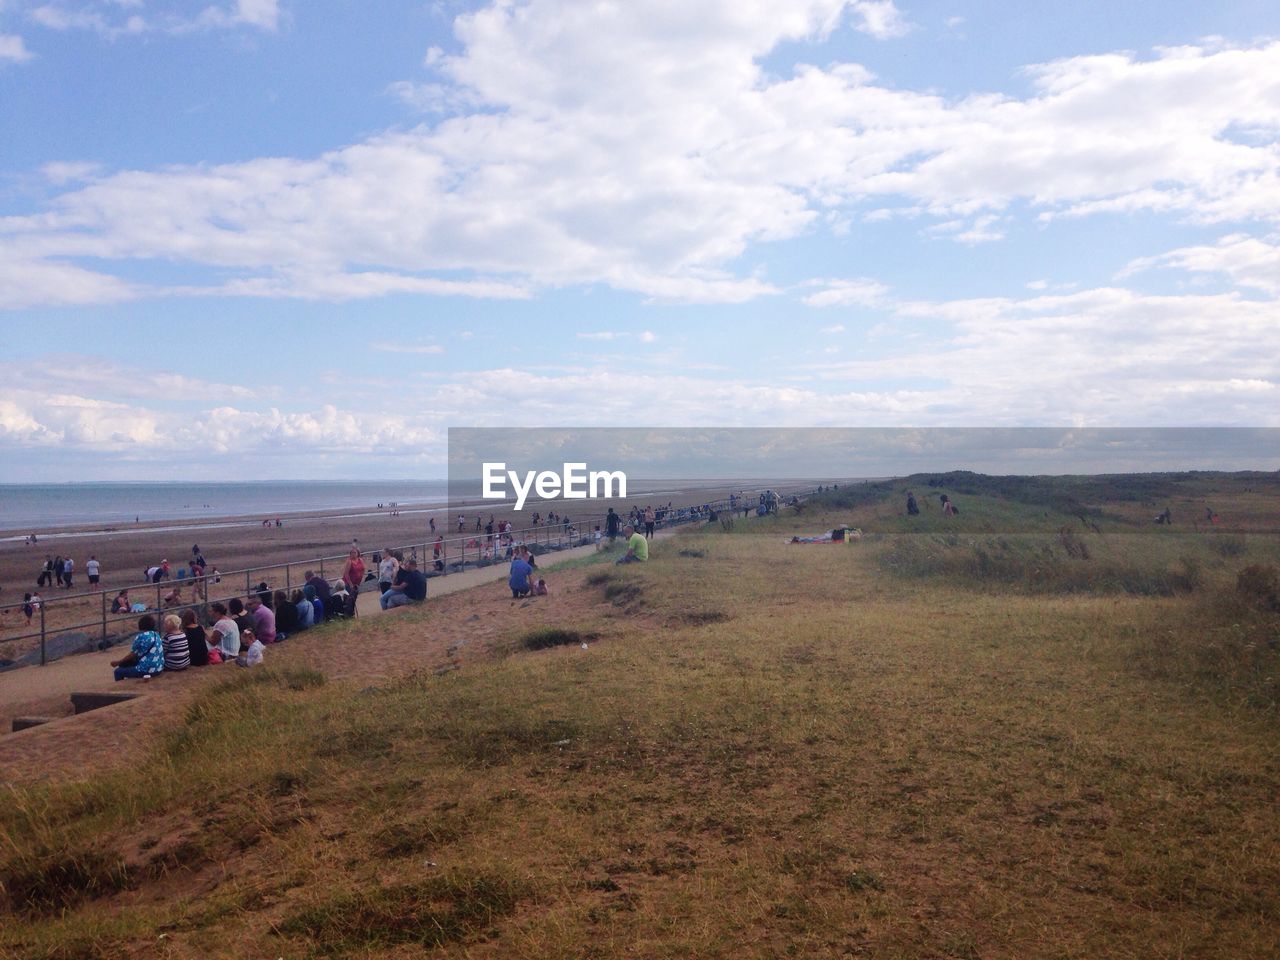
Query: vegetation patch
(432, 912)
(50, 881)
(546, 637)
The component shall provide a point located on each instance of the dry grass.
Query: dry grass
(767, 750)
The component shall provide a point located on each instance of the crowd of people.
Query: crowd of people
(240, 629)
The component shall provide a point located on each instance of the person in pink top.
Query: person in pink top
(264, 620)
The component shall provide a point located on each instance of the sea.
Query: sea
(46, 508)
(42, 507)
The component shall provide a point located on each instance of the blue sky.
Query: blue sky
(260, 238)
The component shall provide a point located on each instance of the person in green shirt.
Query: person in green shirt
(637, 546)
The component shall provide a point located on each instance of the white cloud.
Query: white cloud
(643, 147)
(1246, 261)
(648, 336)
(859, 292)
(112, 18)
(384, 346)
(13, 49)
(880, 18)
(834, 328)
(1106, 356)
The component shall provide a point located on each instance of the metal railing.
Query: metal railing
(475, 547)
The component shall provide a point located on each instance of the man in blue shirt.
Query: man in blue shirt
(520, 571)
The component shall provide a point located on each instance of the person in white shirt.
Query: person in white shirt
(68, 571)
(93, 569)
(226, 635)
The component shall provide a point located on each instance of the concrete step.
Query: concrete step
(26, 723)
(84, 702)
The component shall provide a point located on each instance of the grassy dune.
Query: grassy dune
(884, 749)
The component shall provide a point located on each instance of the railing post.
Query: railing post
(322, 568)
(103, 597)
(248, 585)
(288, 586)
(159, 601)
(42, 648)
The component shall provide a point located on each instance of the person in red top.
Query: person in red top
(353, 573)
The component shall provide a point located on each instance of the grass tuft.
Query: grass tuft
(429, 913)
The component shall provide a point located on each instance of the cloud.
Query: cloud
(644, 336)
(112, 19)
(834, 328)
(880, 18)
(13, 49)
(859, 292)
(425, 348)
(1247, 261)
(1106, 356)
(643, 148)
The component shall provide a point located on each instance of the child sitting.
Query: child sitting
(540, 588)
(250, 650)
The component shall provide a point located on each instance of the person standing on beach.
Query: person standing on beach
(68, 572)
(94, 569)
(611, 524)
(649, 520)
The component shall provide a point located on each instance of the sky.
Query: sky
(266, 239)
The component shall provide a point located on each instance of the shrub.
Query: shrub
(1259, 585)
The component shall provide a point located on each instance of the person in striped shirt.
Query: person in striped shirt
(177, 649)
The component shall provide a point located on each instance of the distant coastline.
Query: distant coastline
(57, 511)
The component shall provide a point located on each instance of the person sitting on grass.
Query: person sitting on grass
(518, 581)
(286, 615)
(250, 650)
(317, 605)
(341, 603)
(410, 586)
(121, 603)
(226, 634)
(197, 643)
(173, 598)
(320, 586)
(262, 620)
(177, 653)
(637, 547)
(540, 588)
(305, 612)
(146, 654)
